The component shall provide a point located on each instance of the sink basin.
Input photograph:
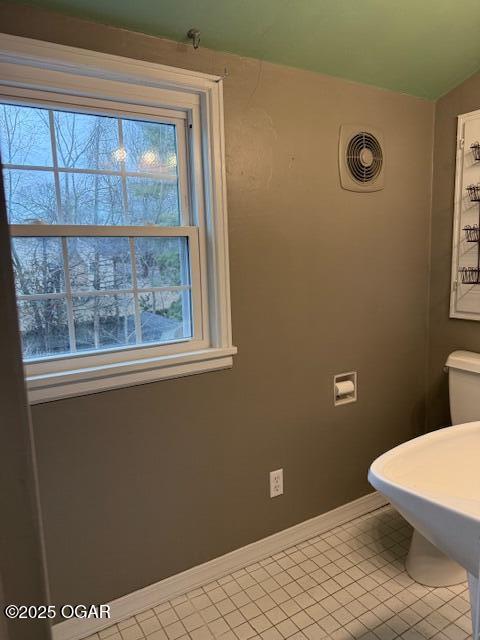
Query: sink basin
(434, 482)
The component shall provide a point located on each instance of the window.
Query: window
(117, 217)
(101, 245)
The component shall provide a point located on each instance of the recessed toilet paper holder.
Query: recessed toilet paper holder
(345, 388)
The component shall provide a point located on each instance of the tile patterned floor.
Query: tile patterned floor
(347, 583)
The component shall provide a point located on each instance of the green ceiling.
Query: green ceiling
(421, 47)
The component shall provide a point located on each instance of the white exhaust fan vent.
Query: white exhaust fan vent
(361, 158)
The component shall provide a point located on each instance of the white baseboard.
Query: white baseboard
(138, 601)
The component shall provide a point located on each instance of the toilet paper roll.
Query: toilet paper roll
(344, 388)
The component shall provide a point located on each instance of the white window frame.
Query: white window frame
(56, 75)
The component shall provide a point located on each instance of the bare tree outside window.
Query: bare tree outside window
(94, 292)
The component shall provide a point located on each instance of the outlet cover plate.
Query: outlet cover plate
(276, 483)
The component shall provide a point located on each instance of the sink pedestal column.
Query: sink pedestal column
(429, 566)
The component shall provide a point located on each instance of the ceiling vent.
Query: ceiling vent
(361, 158)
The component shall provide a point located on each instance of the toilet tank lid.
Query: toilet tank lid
(464, 360)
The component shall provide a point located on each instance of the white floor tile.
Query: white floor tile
(348, 583)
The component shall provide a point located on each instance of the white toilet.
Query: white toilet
(425, 563)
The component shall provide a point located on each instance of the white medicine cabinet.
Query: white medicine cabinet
(465, 290)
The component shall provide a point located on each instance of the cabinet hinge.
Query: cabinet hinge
(461, 143)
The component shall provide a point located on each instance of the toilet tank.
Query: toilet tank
(464, 386)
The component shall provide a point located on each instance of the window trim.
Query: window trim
(28, 67)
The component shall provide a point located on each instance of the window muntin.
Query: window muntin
(90, 293)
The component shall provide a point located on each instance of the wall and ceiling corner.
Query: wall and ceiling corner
(323, 280)
(446, 334)
(419, 48)
(429, 284)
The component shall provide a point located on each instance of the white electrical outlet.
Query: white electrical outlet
(276, 483)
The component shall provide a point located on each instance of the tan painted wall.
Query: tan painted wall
(445, 334)
(22, 578)
(141, 483)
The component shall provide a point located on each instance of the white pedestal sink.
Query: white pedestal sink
(434, 482)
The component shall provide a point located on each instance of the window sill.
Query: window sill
(78, 382)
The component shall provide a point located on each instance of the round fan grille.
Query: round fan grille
(364, 157)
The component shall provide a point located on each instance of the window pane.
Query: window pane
(91, 199)
(152, 202)
(99, 263)
(43, 327)
(150, 147)
(165, 315)
(161, 262)
(87, 141)
(103, 322)
(38, 265)
(25, 136)
(30, 196)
